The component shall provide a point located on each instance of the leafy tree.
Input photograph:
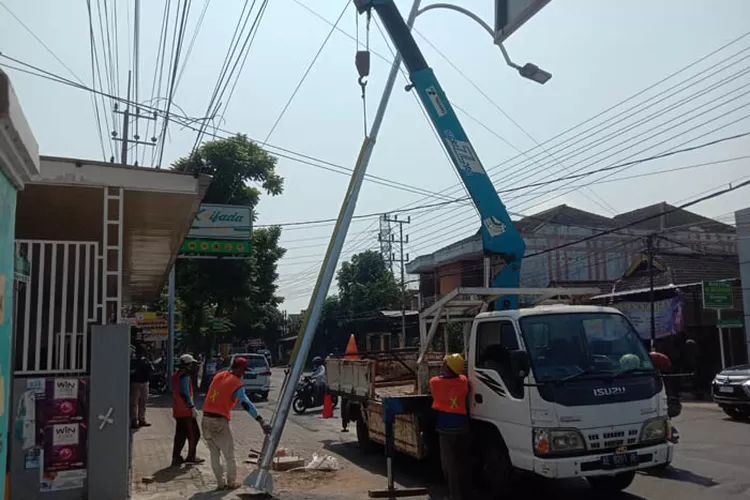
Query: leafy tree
(242, 290)
(367, 285)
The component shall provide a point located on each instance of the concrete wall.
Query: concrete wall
(742, 219)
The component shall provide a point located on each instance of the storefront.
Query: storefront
(19, 161)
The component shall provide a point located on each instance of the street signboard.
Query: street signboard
(215, 247)
(512, 14)
(222, 222)
(717, 295)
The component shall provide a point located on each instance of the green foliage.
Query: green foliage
(366, 285)
(243, 291)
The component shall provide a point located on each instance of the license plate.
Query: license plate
(619, 460)
(250, 376)
(727, 390)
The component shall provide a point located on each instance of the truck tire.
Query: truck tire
(612, 484)
(366, 445)
(497, 474)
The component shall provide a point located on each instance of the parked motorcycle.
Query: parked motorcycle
(305, 397)
(157, 384)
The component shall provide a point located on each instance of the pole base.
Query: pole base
(266, 485)
(397, 493)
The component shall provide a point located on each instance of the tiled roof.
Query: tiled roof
(677, 218)
(681, 269)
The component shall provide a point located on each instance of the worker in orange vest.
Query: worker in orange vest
(184, 412)
(450, 393)
(225, 391)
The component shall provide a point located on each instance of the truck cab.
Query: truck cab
(566, 391)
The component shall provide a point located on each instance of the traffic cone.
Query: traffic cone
(351, 349)
(327, 407)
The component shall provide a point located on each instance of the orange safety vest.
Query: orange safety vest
(179, 408)
(220, 398)
(449, 394)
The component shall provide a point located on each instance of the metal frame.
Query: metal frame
(463, 304)
(78, 305)
(107, 273)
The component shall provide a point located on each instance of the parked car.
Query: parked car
(257, 377)
(731, 391)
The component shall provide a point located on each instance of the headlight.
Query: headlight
(654, 430)
(553, 441)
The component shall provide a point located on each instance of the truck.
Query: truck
(560, 391)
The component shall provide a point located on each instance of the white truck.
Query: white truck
(562, 391)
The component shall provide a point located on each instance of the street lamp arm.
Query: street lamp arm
(460, 10)
(476, 19)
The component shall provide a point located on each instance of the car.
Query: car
(257, 377)
(731, 391)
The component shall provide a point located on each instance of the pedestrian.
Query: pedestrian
(225, 391)
(141, 370)
(185, 413)
(450, 392)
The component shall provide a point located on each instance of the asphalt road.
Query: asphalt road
(712, 461)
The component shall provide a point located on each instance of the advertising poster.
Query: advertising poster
(667, 316)
(64, 401)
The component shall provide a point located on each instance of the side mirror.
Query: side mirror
(520, 363)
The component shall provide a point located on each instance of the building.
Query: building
(598, 259)
(742, 219)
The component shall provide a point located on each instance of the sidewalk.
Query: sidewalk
(303, 436)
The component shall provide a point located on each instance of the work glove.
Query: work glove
(263, 425)
(195, 412)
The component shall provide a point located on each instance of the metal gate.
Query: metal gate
(54, 310)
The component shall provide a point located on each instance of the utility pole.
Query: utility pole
(384, 237)
(650, 251)
(401, 260)
(127, 115)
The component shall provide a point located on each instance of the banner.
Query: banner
(667, 316)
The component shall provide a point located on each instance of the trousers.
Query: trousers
(138, 400)
(454, 460)
(218, 437)
(186, 429)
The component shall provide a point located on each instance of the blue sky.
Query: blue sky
(600, 52)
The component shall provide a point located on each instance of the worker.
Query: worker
(663, 365)
(226, 389)
(450, 392)
(184, 412)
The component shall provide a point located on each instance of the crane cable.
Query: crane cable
(362, 62)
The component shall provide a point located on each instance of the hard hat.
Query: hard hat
(239, 362)
(455, 362)
(661, 361)
(187, 359)
(629, 362)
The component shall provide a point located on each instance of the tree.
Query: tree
(242, 290)
(367, 285)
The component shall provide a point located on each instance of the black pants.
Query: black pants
(186, 429)
(454, 460)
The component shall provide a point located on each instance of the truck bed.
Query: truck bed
(386, 374)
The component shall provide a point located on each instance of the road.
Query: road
(711, 461)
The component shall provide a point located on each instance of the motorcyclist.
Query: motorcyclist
(318, 377)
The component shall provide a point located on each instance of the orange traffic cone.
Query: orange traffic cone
(327, 407)
(351, 349)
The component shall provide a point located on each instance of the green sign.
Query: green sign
(729, 323)
(215, 247)
(717, 295)
(22, 269)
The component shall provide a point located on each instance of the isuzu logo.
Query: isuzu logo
(609, 391)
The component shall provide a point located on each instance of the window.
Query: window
(495, 340)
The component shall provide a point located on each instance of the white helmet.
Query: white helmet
(187, 359)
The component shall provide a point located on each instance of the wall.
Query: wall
(7, 258)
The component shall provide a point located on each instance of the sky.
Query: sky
(600, 53)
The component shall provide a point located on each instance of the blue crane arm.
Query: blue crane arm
(499, 235)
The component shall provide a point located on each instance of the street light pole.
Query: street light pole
(650, 250)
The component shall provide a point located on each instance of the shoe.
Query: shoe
(143, 423)
(176, 462)
(135, 426)
(194, 460)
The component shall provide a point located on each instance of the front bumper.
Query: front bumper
(590, 465)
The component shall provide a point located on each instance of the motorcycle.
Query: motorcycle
(157, 384)
(305, 397)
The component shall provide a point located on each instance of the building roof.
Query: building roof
(565, 216)
(675, 269)
(604, 286)
(676, 218)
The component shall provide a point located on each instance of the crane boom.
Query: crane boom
(499, 235)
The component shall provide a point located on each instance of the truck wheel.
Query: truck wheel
(366, 445)
(736, 414)
(497, 470)
(612, 484)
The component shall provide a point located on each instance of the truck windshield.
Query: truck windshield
(562, 346)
